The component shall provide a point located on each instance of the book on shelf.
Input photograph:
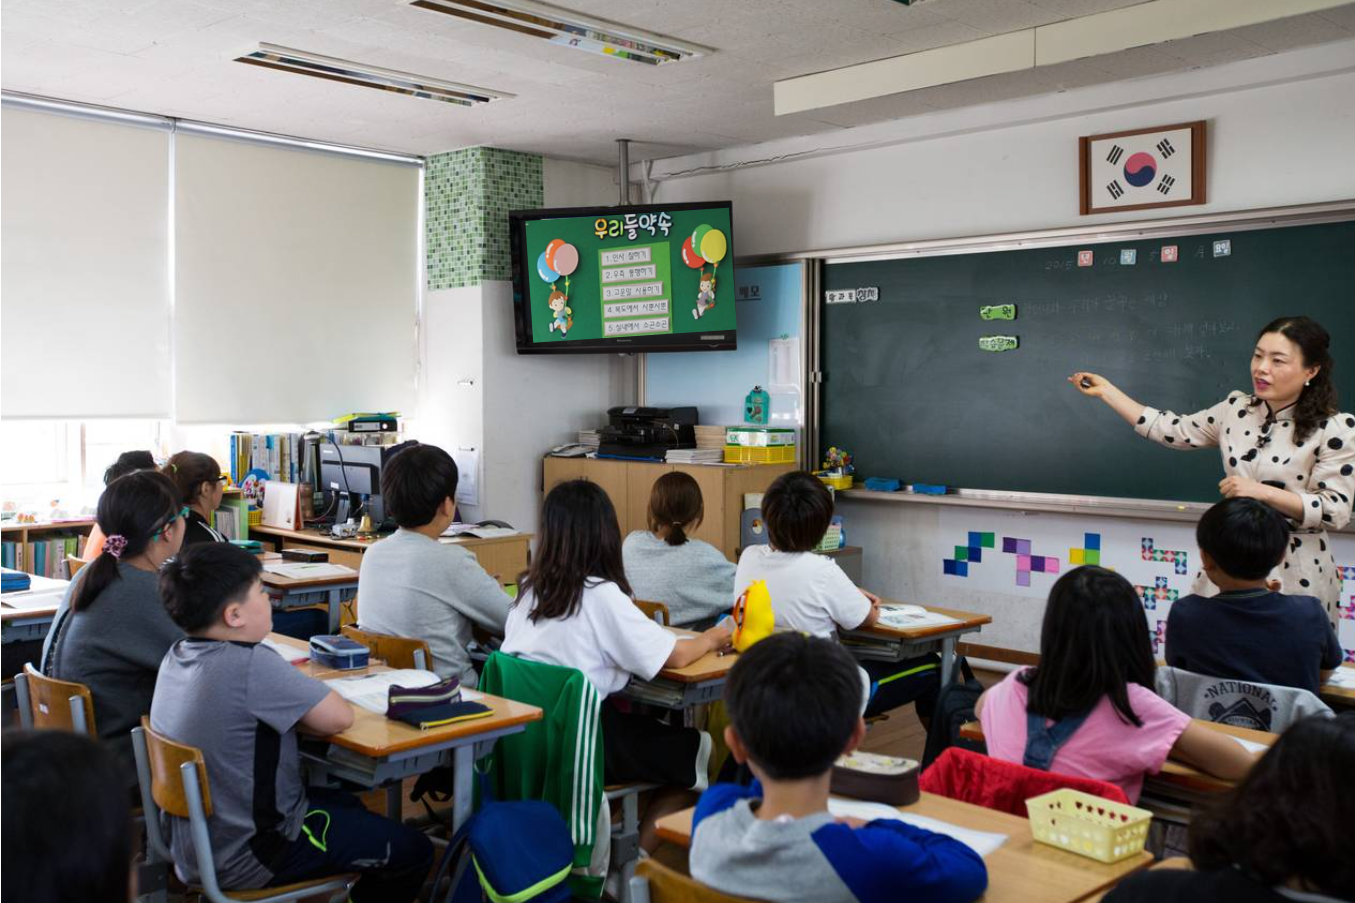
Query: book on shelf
(276, 454)
(45, 557)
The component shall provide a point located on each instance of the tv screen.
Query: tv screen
(657, 277)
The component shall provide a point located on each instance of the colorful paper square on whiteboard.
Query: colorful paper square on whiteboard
(948, 566)
(1051, 565)
(1076, 556)
(1023, 578)
(1091, 540)
(1023, 563)
(1008, 544)
(1093, 556)
(961, 553)
(1023, 547)
(1037, 563)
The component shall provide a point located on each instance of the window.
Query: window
(56, 467)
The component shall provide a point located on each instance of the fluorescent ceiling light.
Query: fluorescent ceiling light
(569, 29)
(1144, 23)
(271, 56)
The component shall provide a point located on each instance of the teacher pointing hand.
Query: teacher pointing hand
(1283, 443)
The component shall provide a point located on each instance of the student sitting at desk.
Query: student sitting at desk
(1280, 836)
(776, 840)
(127, 462)
(242, 704)
(811, 594)
(1095, 684)
(111, 631)
(576, 610)
(412, 585)
(201, 485)
(664, 564)
(1248, 631)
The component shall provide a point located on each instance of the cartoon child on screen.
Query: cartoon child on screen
(564, 317)
(705, 298)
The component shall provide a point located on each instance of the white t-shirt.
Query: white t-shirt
(809, 592)
(609, 639)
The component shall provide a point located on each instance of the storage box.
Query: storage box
(778, 454)
(307, 555)
(1088, 825)
(339, 652)
(877, 778)
(759, 436)
(836, 480)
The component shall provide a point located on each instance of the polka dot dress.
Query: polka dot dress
(1320, 470)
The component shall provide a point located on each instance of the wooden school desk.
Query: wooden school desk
(332, 591)
(1020, 870)
(1176, 778)
(1336, 696)
(892, 644)
(378, 751)
(504, 557)
(700, 682)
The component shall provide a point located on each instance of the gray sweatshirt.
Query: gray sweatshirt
(413, 586)
(694, 580)
(115, 647)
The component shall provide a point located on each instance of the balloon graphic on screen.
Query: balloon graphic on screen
(690, 257)
(555, 245)
(698, 234)
(714, 246)
(544, 271)
(566, 259)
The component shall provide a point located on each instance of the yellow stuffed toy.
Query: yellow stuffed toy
(754, 619)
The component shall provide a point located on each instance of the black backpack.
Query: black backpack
(954, 708)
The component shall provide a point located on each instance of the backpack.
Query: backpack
(954, 708)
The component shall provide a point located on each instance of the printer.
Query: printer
(641, 432)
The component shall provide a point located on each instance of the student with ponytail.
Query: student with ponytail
(664, 564)
(200, 484)
(112, 630)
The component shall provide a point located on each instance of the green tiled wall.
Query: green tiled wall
(467, 196)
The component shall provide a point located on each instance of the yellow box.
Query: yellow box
(776, 454)
(1088, 825)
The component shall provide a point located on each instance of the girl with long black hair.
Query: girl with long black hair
(112, 630)
(576, 610)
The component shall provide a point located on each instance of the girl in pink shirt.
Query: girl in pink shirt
(1089, 709)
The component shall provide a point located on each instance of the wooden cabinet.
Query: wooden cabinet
(628, 484)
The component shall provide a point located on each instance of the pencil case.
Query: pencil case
(339, 652)
(877, 778)
(304, 555)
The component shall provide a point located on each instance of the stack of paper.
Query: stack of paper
(695, 455)
(590, 438)
(709, 436)
(908, 617)
(1343, 677)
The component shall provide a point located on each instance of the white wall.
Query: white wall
(1281, 133)
(1013, 166)
(570, 184)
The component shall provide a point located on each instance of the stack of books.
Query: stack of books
(709, 436)
(276, 454)
(231, 520)
(695, 455)
(44, 557)
(590, 438)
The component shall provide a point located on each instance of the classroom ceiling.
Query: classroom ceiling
(175, 58)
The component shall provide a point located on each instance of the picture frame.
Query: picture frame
(1142, 169)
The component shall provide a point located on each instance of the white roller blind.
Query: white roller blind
(84, 296)
(296, 283)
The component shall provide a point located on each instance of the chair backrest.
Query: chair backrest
(73, 566)
(1260, 707)
(166, 759)
(655, 611)
(668, 886)
(971, 777)
(58, 704)
(396, 651)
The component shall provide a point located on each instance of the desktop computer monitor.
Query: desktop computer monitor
(349, 473)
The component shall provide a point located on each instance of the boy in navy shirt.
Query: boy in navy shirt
(1249, 632)
(794, 703)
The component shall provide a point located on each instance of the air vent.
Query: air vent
(285, 59)
(569, 29)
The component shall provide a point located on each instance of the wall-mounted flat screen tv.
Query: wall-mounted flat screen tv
(657, 277)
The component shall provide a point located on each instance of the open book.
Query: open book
(911, 617)
(371, 691)
(981, 842)
(289, 653)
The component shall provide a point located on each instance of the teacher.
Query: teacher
(1283, 443)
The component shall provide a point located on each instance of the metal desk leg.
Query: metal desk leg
(394, 800)
(947, 660)
(335, 610)
(463, 765)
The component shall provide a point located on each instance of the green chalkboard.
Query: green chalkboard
(909, 393)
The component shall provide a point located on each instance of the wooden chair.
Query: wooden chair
(73, 566)
(655, 611)
(656, 883)
(396, 651)
(173, 779)
(48, 703)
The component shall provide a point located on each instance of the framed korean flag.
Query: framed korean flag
(1143, 168)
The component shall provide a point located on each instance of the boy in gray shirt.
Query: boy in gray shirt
(242, 704)
(412, 585)
(793, 701)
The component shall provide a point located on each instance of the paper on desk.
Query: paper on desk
(371, 691)
(1342, 677)
(289, 653)
(305, 570)
(981, 842)
(907, 617)
(1251, 746)
(478, 532)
